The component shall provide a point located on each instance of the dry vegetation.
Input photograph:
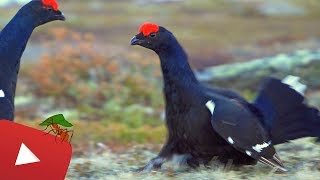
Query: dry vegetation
(119, 97)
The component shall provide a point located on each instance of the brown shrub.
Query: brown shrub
(77, 73)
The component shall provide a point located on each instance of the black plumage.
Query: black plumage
(13, 41)
(205, 122)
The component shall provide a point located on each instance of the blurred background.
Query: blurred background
(112, 93)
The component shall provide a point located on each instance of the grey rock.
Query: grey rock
(280, 8)
(303, 63)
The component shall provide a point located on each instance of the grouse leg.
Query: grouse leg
(156, 163)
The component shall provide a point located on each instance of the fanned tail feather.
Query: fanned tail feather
(285, 115)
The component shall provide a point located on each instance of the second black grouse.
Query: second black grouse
(205, 122)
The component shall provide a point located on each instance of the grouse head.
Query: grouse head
(42, 11)
(154, 37)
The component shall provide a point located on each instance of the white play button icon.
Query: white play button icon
(25, 156)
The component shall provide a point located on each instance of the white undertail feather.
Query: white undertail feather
(2, 93)
(293, 82)
(260, 147)
(211, 106)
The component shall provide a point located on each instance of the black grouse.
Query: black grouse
(13, 40)
(205, 122)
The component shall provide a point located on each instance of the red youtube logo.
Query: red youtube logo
(27, 153)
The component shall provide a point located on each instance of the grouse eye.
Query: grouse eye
(153, 35)
(49, 8)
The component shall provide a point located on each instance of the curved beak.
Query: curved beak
(60, 16)
(135, 41)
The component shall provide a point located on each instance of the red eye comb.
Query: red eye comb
(51, 3)
(148, 28)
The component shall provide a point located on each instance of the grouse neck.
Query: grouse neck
(175, 66)
(14, 38)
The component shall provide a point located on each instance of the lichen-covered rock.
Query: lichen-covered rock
(247, 75)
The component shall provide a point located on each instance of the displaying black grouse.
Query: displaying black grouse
(206, 122)
(13, 41)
